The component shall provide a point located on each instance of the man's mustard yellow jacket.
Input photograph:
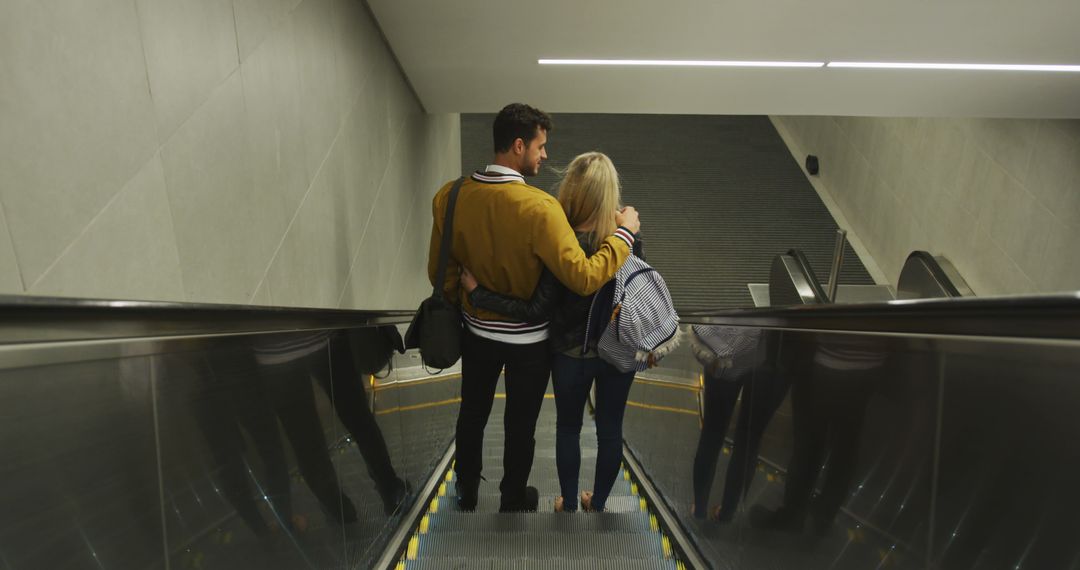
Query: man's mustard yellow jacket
(505, 232)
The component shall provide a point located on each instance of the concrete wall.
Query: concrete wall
(999, 198)
(237, 151)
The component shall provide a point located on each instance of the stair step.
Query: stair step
(545, 485)
(537, 545)
(490, 503)
(451, 522)
(471, 563)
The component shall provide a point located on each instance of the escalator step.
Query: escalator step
(500, 523)
(494, 472)
(461, 563)
(489, 503)
(538, 545)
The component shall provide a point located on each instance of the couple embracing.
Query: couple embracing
(524, 267)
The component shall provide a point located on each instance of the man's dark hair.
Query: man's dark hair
(518, 121)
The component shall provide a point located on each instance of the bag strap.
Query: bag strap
(447, 234)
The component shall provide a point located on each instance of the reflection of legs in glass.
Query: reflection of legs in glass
(262, 428)
(226, 448)
(234, 401)
(305, 433)
(345, 387)
(481, 364)
(527, 371)
(844, 404)
(571, 379)
(763, 392)
(810, 428)
(720, 394)
(612, 390)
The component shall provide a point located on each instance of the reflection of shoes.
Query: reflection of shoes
(467, 494)
(300, 523)
(784, 519)
(722, 516)
(586, 501)
(697, 513)
(395, 496)
(526, 504)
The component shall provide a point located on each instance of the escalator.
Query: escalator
(627, 536)
(149, 435)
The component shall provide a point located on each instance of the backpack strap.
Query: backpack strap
(447, 234)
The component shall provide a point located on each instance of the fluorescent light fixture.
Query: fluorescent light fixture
(680, 63)
(955, 66)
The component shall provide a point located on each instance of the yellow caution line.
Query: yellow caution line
(436, 404)
(672, 385)
(662, 408)
(418, 406)
(407, 383)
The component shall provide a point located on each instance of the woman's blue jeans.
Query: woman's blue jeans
(572, 378)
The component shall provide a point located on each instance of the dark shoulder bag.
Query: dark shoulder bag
(436, 327)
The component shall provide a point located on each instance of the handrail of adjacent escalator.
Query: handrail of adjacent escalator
(1033, 317)
(25, 319)
(937, 272)
(808, 271)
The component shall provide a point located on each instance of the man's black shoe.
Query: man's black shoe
(526, 504)
(467, 494)
(532, 499)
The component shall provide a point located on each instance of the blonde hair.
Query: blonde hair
(589, 193)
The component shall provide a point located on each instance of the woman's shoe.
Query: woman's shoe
(586, 501)
(558, 504)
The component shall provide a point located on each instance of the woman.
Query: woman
(589, 194)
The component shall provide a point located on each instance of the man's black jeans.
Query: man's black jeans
(528, 367)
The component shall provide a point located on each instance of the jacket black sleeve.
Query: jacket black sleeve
(546, 297)
(639, 247)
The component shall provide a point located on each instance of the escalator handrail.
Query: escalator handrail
(1029, 317)
(811, 277)
(939, 275)
(26, 319)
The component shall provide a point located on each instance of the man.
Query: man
(506, 232)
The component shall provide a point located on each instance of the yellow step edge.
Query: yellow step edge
(425, 524)
(414, 547)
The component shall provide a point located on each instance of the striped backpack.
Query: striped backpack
(641, 324)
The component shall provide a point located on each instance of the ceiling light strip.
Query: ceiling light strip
(680, 63)
(813, 64)
(954, 66)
